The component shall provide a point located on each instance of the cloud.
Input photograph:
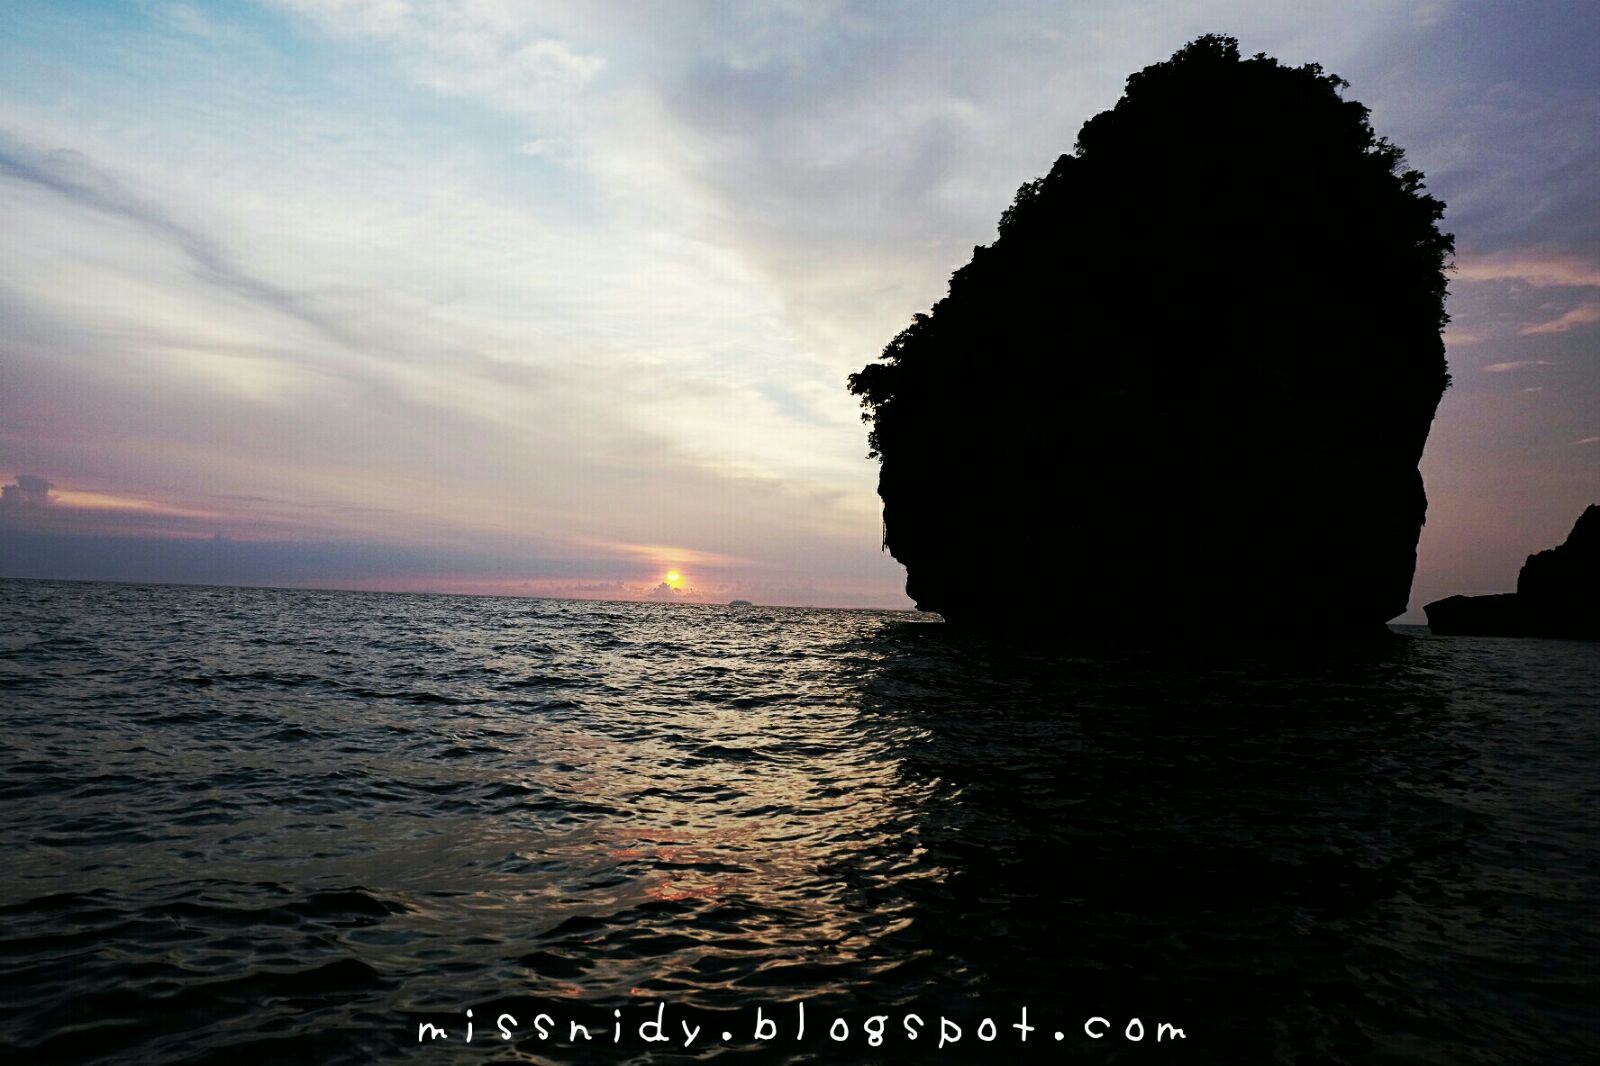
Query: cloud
(665, 591)
(1581, 315)
(1430, 13)
(503, 53)
(1587, 440)
(1530, 267)
(186, 19)
(1515, 364)
(550, 58)
(34, 503)
(28, 492)
(350, 329)
(667, 556)
(71, 175)
(563, 429)
(566, 292)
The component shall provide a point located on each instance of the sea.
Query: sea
(269, 825)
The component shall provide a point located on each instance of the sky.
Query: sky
(560, 298)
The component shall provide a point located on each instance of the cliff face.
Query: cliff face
(1191, 380)
(1560, 587)
(1558, 594)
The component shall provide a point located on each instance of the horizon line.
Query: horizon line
(440, 592)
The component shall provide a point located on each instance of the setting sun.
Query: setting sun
(674, 578)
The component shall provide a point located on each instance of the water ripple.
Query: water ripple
(272, 824)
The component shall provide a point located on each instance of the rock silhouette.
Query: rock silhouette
(1190, 381)
(1558, 594)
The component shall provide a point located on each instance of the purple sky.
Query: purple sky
(558, 298)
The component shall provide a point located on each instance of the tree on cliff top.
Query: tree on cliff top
(1198, 364)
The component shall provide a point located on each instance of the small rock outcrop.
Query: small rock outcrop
(1190, 382)
(1558, 594)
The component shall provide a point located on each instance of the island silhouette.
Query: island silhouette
(1190, 382)
(1558, 594)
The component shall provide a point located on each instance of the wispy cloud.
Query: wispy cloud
(1582, 315)
(1515, 364)
(548, 297)
(105, 501)
(1529, 267)
(70, 174)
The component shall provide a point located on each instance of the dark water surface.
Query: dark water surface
(260, 825)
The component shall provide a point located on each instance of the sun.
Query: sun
(674, 579)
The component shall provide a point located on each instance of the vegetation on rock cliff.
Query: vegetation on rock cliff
(1191, 378)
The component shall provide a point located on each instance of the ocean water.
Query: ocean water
(264, 825)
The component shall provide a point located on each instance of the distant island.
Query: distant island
(1558, 594)
(1190, 382)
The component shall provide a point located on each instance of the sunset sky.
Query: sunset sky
(560, 298)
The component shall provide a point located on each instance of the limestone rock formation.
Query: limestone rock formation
(1191, 380)
(1558, 594)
